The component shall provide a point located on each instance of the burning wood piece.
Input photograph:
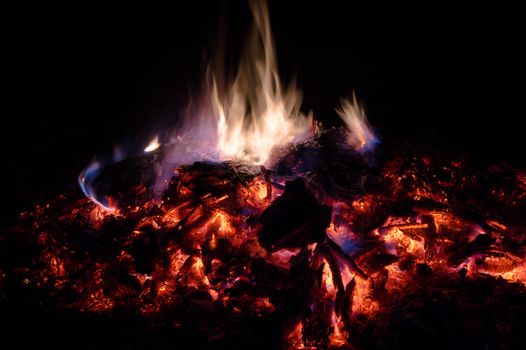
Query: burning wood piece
(415, 231)
(266, 175)
(343, 258)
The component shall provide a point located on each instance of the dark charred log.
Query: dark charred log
(295, 219)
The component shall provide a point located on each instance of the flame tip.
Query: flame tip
(360, 133)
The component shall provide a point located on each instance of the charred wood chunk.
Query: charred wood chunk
(406, 263)
(432, 321)
(375, 260)
(294, 219)
(460, 251)
(463, 272)
(145, 251)
(347, 304)
(126, 181)
(423, 270)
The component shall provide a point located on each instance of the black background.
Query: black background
(81, 79)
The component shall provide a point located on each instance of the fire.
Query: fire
(153, 145)
(337, 338)
(221, 219)
(360, 134)
(244, 120)
(86, 179)
(255, 114)
(336, 248)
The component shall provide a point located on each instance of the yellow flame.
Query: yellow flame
(255, 114)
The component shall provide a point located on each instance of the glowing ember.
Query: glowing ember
(334, 278)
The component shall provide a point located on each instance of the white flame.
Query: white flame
(245, 120)
(254, 114)
(360, 135)
(153, 145)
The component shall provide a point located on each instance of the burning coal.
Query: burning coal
(339, 253)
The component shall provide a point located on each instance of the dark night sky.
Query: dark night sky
(82, 79)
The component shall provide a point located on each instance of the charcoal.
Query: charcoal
(295, 219)
(425, 321)
(144, 251)
(406, 263)
(118, 180)
(423, 270)
(336, 251)
(463, 272)
(375, 260)
(347, 303)
(463, 250)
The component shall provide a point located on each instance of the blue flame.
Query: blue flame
(86, 179)
(370, 146)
